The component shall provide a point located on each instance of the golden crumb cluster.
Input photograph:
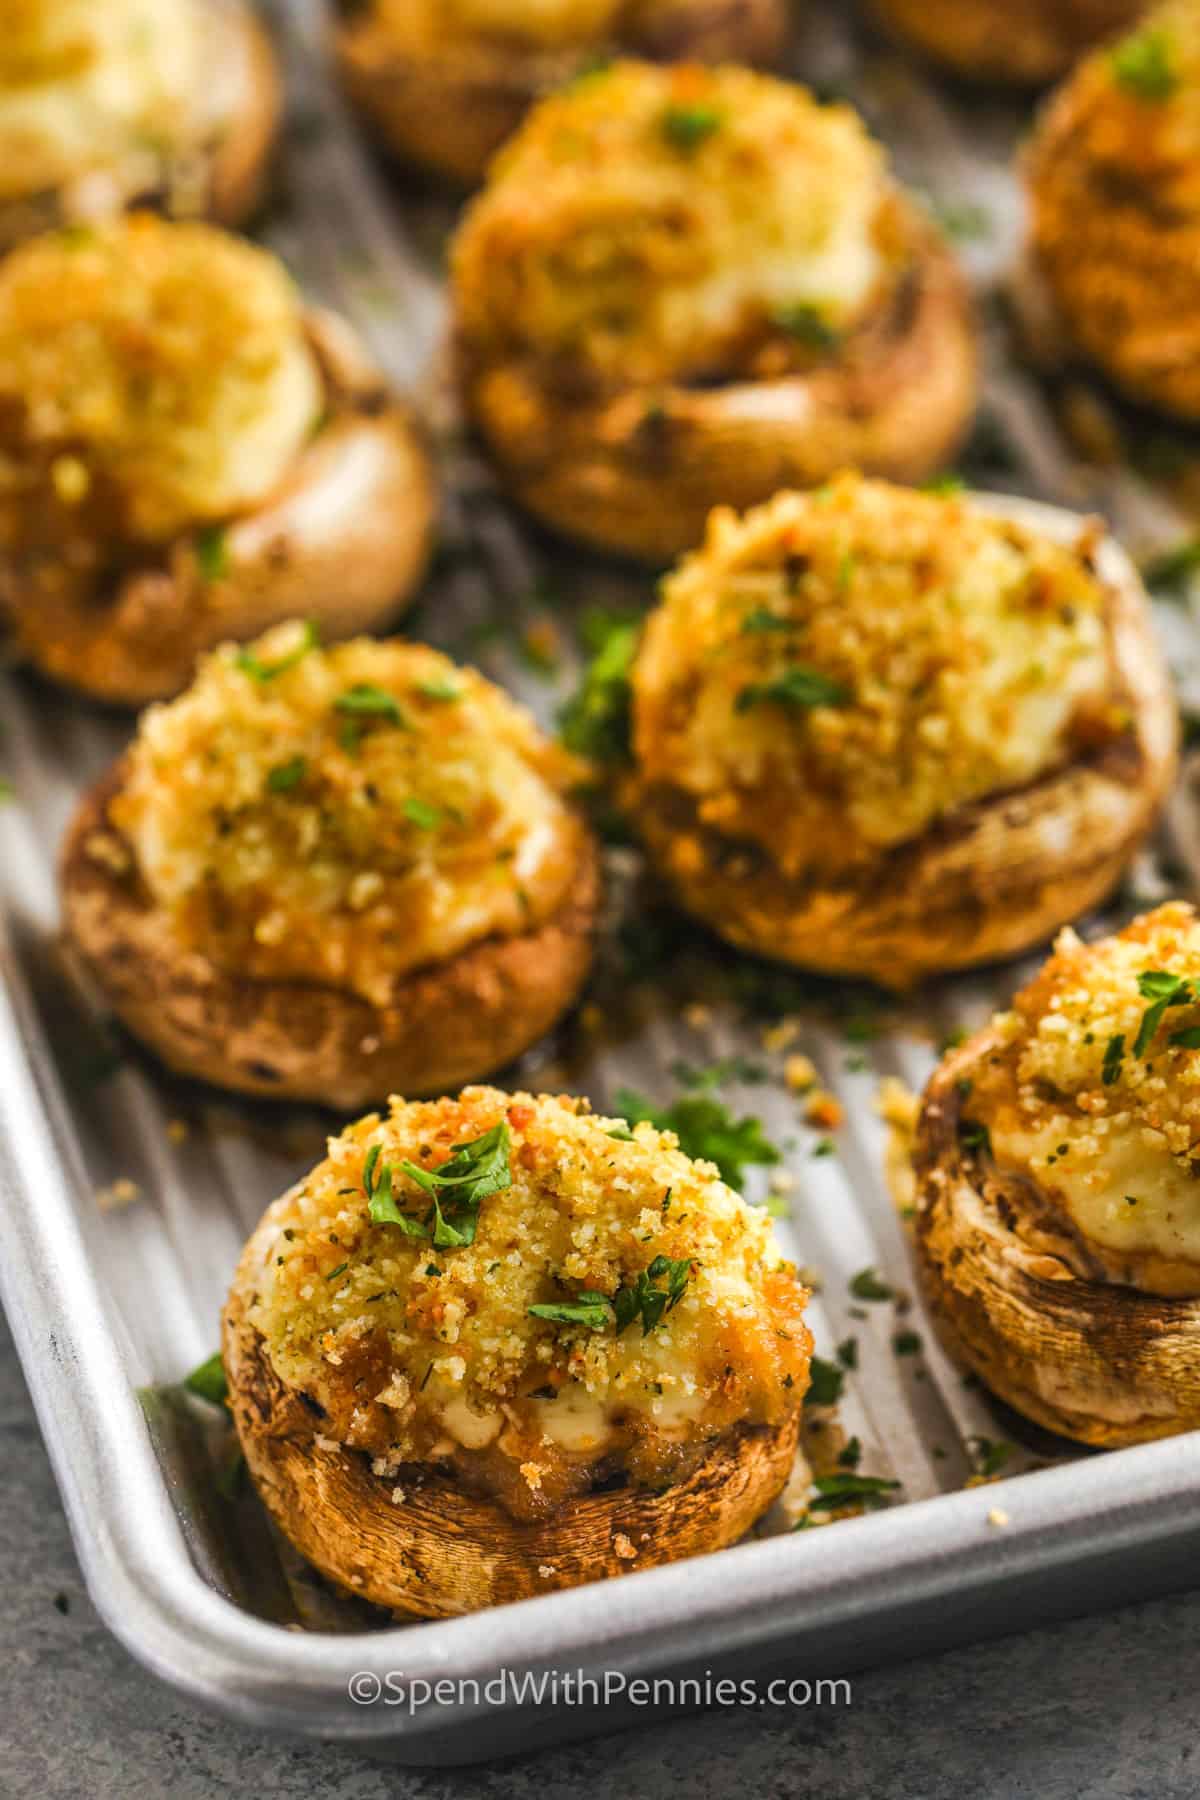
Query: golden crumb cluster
(165, 362)
(84, 83)
(833, 672)
(418, 1353)
(1097, 1091)
(345, 815)
(653, 224)
(1116, 208)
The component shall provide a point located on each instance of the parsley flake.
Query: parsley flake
(798, 686)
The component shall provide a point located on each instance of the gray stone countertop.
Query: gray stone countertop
(1103, 1709)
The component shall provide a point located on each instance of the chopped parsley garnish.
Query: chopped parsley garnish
(381, 1201)
(208, 1380)
(688, 126)
(974, 1135)
(906, 1343)
(851, 1455)
(645, 1300)
(250, 664)
(963, 220)
(989, 1454)
(440, 689)
(761, 618)
(1163, 990)
(1114, 1052)
(1185, 1040)
(706, 1130)
(587, 1308)
(867, 1285)
(1145, 65)
(948, 483)
(366, 701)
(797, 686)
(1172, 570)
(728, 1068)
(594, 722)
(286, 775)
(476, 1170)
(825, 1383)
(421, 814)
(847, 1353)
(212, 552)
(834, 1491)
(807, 324)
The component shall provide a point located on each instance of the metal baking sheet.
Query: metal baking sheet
(112, 1303)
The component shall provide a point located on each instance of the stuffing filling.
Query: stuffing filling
(833, 673)
(346, 815)
(156, 371)
(655, 224)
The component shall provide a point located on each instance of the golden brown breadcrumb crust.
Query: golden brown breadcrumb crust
(1115, 227)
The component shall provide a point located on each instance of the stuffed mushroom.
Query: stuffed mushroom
(107, 104)
(1113, 275)
(496, 1345)
(1023, 42)
(884, 733)
(330, 874)
(188, 453)
(1058, 1221)
(445, 82)
(683, 287)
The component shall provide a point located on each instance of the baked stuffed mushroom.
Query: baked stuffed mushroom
(1058, 1217)
(187, 453)
(1115, 215)
(885, 733)
(683, 287)
(328, 874)
(495, 1345)
(1025, 42)
(107, 104)
(445, 82)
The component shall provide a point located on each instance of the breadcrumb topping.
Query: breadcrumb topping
(421, 1355)
(1096, 1093)
(1115, 186)
(348, 814)
(833, 672)
(651, 224)
(167, 360)
(84, 82)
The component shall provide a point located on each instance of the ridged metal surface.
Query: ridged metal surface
(111, 1307)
